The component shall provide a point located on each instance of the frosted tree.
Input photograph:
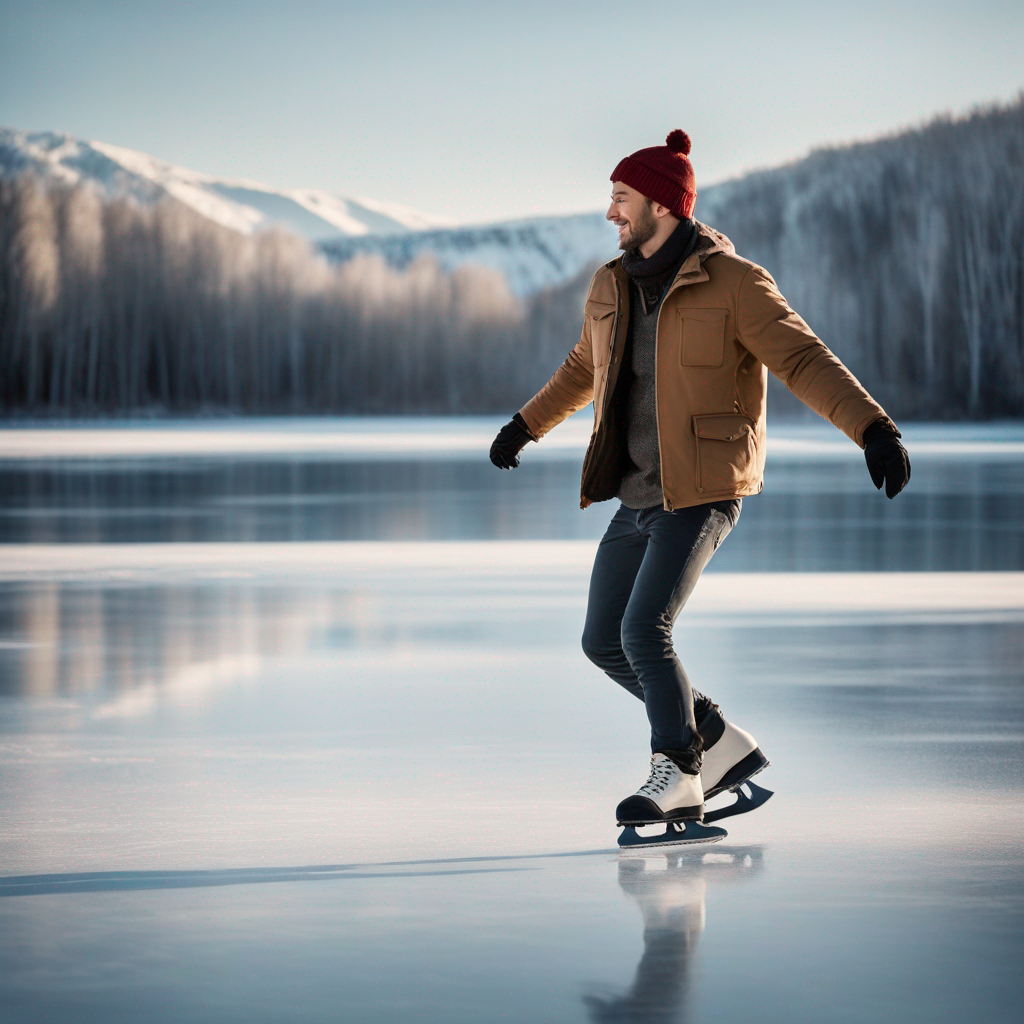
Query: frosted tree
(906, 255)
(32, 275)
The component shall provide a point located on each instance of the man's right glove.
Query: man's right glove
(888, 461)
(511, 440)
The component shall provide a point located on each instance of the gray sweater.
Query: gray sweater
(641, 479)
(650, 279)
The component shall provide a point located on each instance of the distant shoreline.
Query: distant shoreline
(429, 437)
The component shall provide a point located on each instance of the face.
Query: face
(632, 213)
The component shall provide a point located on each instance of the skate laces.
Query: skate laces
(663, 771)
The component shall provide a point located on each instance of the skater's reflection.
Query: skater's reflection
(669, 889)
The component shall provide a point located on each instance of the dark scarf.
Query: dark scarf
(653, 275)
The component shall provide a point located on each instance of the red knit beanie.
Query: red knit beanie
(662, 173)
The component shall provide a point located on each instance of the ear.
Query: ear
(660, 211)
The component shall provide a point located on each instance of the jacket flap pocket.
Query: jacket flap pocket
(705, 316)
(702, 337)
(594, 310)
(599, 315)
(722, 426)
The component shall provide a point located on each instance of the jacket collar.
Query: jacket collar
(709, 242)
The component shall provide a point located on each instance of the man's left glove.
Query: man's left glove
(888, 461)
(511, 440)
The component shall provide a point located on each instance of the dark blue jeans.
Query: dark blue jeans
(647, 565)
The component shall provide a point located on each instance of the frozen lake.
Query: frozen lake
(294, 725)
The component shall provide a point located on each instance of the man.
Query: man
(679, 334)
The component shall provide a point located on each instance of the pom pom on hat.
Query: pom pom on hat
(678, 141)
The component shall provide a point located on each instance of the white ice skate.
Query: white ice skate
(731, 759)
(671, 796)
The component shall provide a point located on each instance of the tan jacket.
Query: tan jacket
(723, 324)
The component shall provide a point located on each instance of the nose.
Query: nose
(610, 215)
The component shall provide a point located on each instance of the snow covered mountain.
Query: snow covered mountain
(244, 206)
(533, 254)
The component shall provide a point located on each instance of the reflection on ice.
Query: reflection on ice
(670, 891)
(228, 722)
(162, 625)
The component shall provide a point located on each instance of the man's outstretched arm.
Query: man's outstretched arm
(781, 339)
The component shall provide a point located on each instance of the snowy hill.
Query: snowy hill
(532, 254)
(244, 206)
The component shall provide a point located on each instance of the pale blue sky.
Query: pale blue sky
(479, 111)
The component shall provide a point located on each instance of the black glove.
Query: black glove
(888, 461)
(511, 440)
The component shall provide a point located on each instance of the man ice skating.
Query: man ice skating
(679, 334)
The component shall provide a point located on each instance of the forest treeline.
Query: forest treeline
(905, 254)
(117, 307)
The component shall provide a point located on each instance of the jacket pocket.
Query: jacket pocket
(702, 337)
(600, 317)
(726, 452)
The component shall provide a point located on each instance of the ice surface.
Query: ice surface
(369, 775)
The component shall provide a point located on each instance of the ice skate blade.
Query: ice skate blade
(745, 802)
(675, 834)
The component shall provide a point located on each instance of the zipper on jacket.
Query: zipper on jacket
(665, 503)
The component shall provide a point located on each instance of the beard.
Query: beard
(645, 228)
